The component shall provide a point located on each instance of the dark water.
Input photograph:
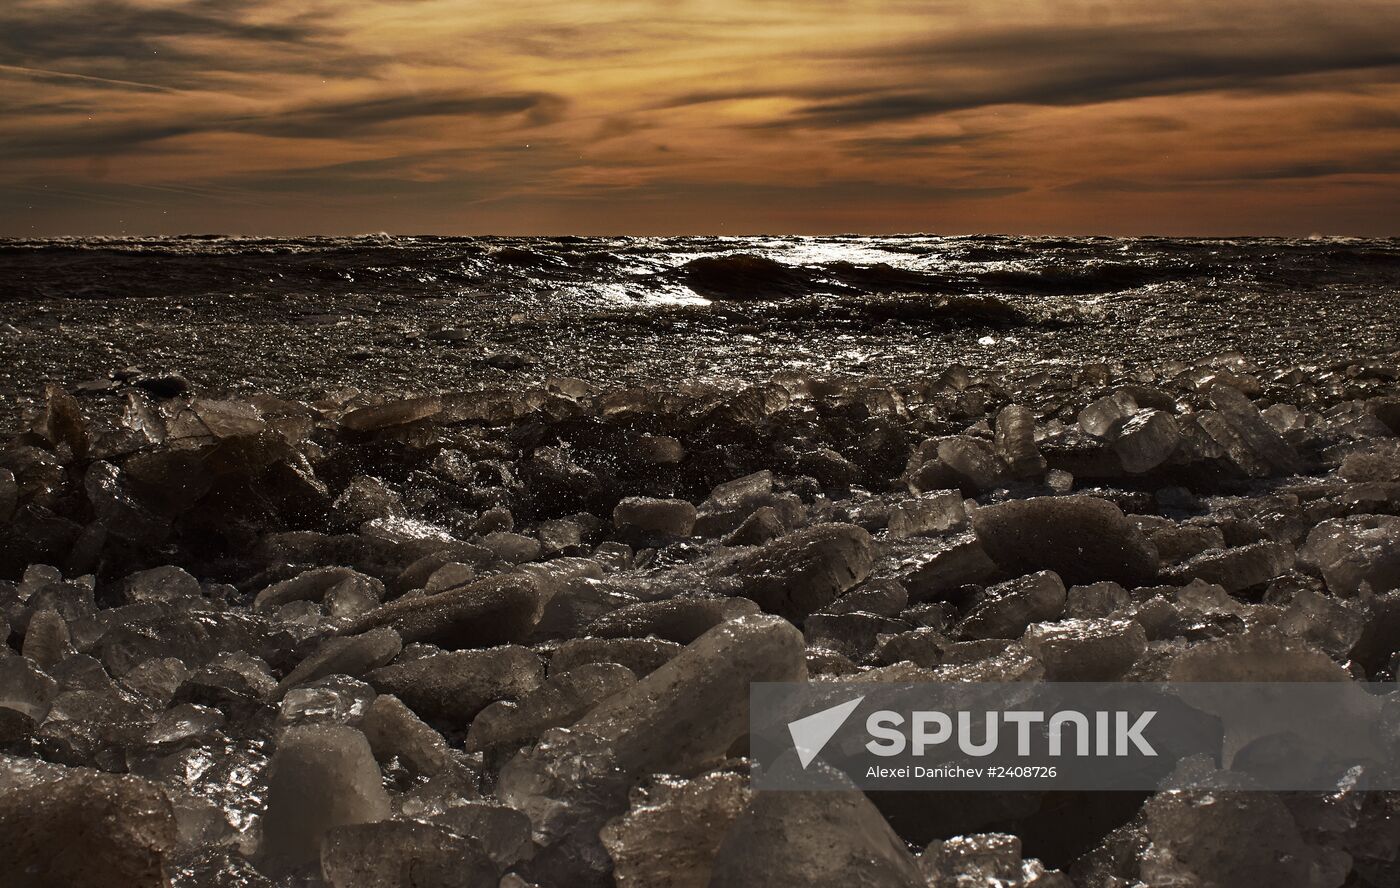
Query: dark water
(301, 315)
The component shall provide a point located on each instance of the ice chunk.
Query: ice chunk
(853, 635)
(1239, 568)
(389, 855)
(1081, 538)
(1086, 650)
(974, 462)
(160, 585)
(321, 777)
(455, 686)
(673, 830)
(394, 731)
(46, 639)
(1243, 417)
(334, 700)
(1356, 552)
(1233, 838)
(1006, 609)
(87, 830)
(315, 585)
(682, 619)
(885, 597)
(1146, 440)
(805, 570)
(381, 416)
(352, 655)
(560, 701)
(1096, 600)
(641, 655)
(760, 527)
(496, 610)
(1015, 442)
(957, 563)
(502, 832)
(934, 512)
(1100, 417)
(513, 548)
(364, 499)
(668, 517)
(684, 714)
(803, 839)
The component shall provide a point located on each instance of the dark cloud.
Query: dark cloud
(185, 45)
(338, 120)
(1087, 65)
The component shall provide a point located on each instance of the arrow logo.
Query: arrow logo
(811, 733)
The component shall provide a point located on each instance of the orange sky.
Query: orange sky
(679, 116)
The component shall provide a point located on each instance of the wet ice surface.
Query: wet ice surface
(471, 629)
(295, 317)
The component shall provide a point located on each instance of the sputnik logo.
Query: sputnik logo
(812, 732)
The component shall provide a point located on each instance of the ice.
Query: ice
(805, 570)
(1096, 600)
(1146, 440)
(321, 777)
(87, 830)
(1240, 568)
(959, 562)
(1233, 838)
(985, 860)
(315, 585)
(853, 635)
(46, 639)
(665, 517)
(333, 700)
(235, 682)
(9, 495)
(762, 525)
(802, 839)
(674, 828)
(661, 450)
(641, 655)
(563, 698)
(1086, 650)
(160, 585)
(389, 855)
(1260, 437)
(366, 498)
(885, 597)
(973, 462)
(394, 731)
(501, 831)
(686, 713)
(495, 610)
(1083, 539)
(1006, 609)
(1015, 442)
(512, 548)
(1100, 417)
(394, 413)
(731, 502)
(682, 619)
(1178, 542)
(453, 687)
(352, 655)
(931, 513)
(1355, 553)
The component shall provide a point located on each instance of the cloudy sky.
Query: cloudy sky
(678, 116)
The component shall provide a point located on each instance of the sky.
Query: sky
(1173, 117)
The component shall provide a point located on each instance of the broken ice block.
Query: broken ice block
(495, 610)
(561, 700)
(386, 855)
(805, 570)
(1081, 538)
(933, 512)
(453, 687)
(1086, 650)
(1015, 442)
(321, 777)
(394, 731)
(1361, 550)
(673, 830)
(1146, 440)
(1006, 609)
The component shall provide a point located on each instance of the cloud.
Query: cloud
(336, 120)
